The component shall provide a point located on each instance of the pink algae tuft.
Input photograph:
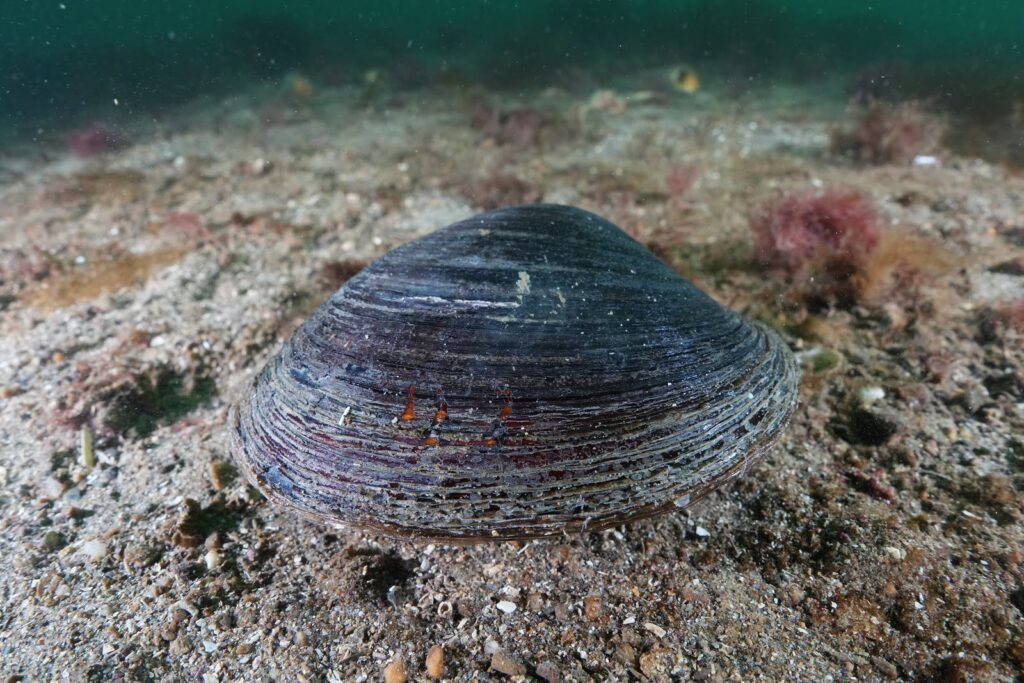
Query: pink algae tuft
(515, 127)
(832, 248)
(801, 228)
(95, 139)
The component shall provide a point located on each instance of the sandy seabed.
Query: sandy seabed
(141, 290)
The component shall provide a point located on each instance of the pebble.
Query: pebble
(174, 621)
(507, 665)
(258, 167)
(819, 360)
(658, 631)
(53, 540)
(506, 606)
(548, 671)
(181, 646)
(592, 607)
(51, 489)
(702, 532)
(887, 668)
(395, 672)
(213, 560)
(94, 550)
(435, 662)
(894, 552)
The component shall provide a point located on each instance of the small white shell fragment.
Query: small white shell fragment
(94, 549)
(212, 560)
(925, 160)
(868, 395)
(506, 606)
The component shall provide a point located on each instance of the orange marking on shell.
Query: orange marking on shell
(506, 410)
(442, 411)
(430, 441)
(410, 405)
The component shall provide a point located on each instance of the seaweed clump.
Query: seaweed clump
(514, 127)
(994, 322)
(502, 190)
(819, 240)
(888, 133)
(832, 248)
(95, 139)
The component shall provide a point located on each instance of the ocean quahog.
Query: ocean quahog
(527, 372)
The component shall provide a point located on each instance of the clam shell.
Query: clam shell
(526, 372)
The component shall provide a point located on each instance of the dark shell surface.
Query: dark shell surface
(526, 372)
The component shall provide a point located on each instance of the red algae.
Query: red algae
(831, 247)
(801, 228)
(891, 134)
(188, 224)
(502, 189)
(680, 179)
(1012, 315)
(95, 139)
(679, 182)
(516, 127)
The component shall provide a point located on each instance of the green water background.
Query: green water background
(66, 59)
